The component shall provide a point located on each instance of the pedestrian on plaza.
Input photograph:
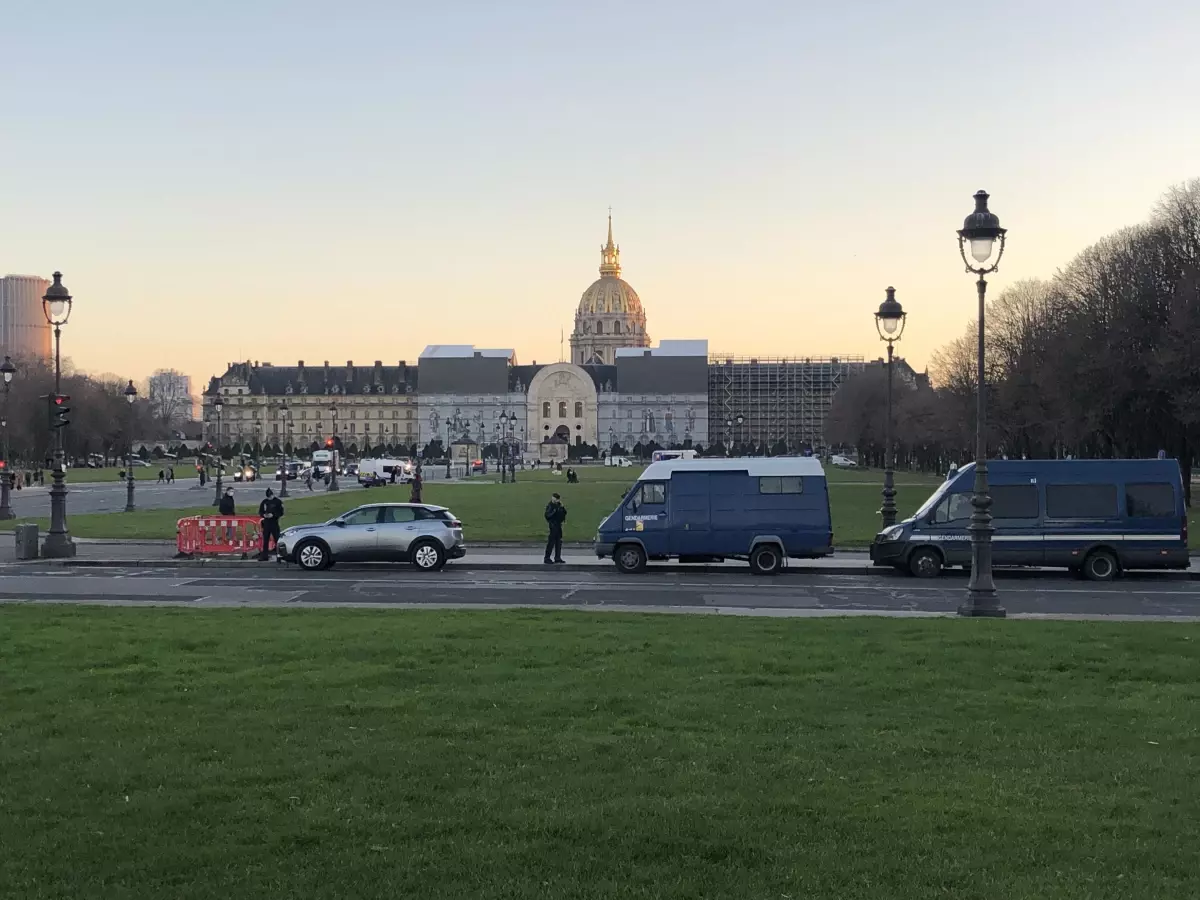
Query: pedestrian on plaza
(162, 476)
(555, 514)
(415, 493)
(271, 511)
(226, 508)
(170, 474)
(308, 478)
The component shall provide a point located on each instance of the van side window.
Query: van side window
(1081, 501)
(649, 492)
(955, 508)
(1015, 501)
(1146, 501)
(781, 484)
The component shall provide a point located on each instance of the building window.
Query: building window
(408, 429)
(352, 428)
(616, 327)
(599, 328)
(354, 414)
(408, 414)
(562, 409)
(546, 410)
(578, 410)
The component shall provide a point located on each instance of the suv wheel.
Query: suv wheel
(312, 556)
(766, 560)
(630, 559)
(428, 556)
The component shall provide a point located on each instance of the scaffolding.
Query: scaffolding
(778, 398)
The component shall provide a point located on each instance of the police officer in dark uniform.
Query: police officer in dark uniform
(271, 511)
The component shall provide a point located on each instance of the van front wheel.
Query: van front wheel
(766, 560)
(630, 559)
(925, 563)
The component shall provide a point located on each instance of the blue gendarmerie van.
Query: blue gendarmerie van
(1095, 516)
(763, 510)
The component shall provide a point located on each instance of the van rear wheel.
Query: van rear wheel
(766, 560)
(925, 562)
(630, 559)
(1100, 565)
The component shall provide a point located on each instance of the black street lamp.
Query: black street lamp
(335, 457)
(981, 229)
(502, 435)
(889, 322)
(56, 304)
(130, 396)
(287, 430)
(218, 405)
(8, 370)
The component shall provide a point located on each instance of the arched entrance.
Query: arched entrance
(562, 432)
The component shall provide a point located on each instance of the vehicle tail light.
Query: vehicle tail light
(1185, 529)
(454, 523)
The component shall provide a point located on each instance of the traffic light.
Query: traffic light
(59, 410)
(329, 443)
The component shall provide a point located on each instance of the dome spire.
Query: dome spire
(610, 254)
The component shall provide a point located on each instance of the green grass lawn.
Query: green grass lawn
(197, 754)
(185, 470)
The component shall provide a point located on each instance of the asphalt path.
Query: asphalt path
(104, 496)
(272, 585)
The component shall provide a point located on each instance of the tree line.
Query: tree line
(1098, 361)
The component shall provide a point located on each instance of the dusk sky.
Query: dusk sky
(282, 181)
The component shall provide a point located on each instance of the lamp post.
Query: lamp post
(981, 229)
(8, 370)
(131, 397)
(448, 450)
(56, 304)
(502, 435)
(889, 322)
(283, 468)
(218, 405)
(335, 457)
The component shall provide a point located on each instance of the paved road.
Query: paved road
(1160, 597)
(110, 496)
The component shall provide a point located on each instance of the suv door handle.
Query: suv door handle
(372, 528)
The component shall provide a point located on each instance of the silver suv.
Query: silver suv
(426, 536)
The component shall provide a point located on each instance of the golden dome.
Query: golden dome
(609, 294)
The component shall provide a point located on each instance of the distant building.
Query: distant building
(24, 331)
(778, 399)
(616, 391)
(171, 397)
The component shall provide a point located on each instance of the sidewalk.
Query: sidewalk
(481, 557)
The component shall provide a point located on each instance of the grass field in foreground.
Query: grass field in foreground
(332, 754)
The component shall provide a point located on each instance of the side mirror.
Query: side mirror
(340, 523)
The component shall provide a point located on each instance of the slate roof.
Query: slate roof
(322, 379)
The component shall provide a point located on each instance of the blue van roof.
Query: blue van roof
(1088, 469)
(756, 466)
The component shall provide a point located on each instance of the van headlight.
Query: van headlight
(893, 533)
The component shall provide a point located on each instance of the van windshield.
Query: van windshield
(931, 502)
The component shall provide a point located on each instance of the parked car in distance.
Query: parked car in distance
(370, 479)
(418, 533)
(620, 462)
(384, 468)
(1097, 517)
(764, 510)
(842, 462)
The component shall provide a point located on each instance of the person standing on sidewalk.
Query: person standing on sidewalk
(227, 508)
(271, 511)
(556, 514)
(414, 495)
